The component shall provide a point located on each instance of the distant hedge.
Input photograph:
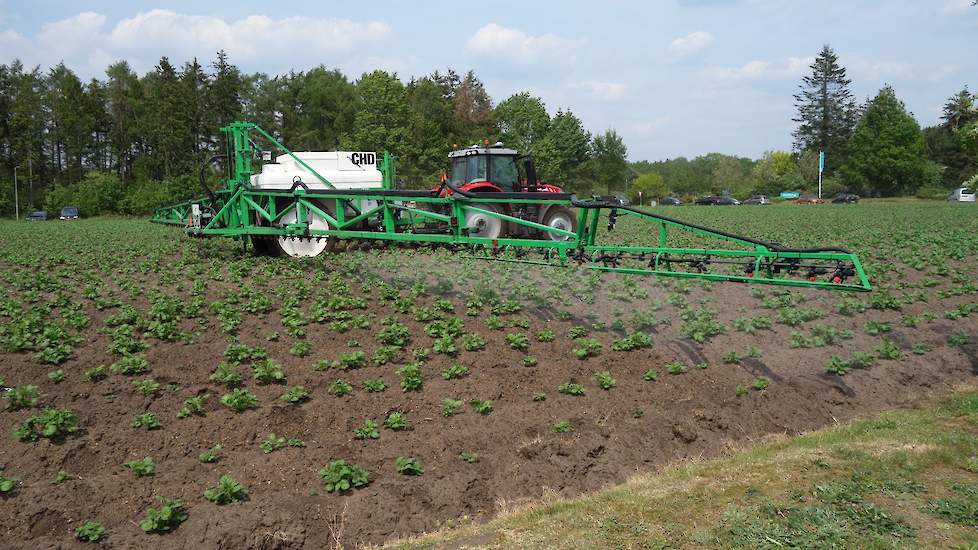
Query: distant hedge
(103, 193)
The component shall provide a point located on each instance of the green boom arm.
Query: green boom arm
(419, 217)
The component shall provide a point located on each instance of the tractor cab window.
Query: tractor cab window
(505, 173)
(468, 169)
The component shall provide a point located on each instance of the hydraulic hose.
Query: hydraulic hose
(203, 177)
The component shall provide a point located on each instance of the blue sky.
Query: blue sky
(674, 77)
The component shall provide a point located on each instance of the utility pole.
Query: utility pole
(30, 181)
(16, 198)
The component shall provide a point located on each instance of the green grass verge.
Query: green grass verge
(903, 479)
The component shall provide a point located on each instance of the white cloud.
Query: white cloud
(12, 41)
(797, 66)
(957, 7)
(692, 44)
(250, 37)
(83, 26)
(513, 43)
(646, 127)
(603, 90)
(943, 72)
(85, 43)
(759, 70)
(890, 69)
(753, 70)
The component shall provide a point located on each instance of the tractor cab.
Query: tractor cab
(482, 168)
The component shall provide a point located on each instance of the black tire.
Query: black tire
(264, 246)
(559, 217)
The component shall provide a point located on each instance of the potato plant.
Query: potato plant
(167, 517)
(408, 466)
(123, 327)
(226, 491)
(341, 476)
(90, 531)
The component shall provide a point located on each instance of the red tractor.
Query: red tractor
(492, 171)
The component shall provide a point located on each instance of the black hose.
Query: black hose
(203, 176)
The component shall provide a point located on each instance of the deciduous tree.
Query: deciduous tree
(523, 122)
(887, 152)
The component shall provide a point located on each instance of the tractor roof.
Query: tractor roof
(498, 150)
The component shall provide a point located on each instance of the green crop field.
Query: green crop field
(153, 380)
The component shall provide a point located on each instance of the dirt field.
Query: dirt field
(715, 402)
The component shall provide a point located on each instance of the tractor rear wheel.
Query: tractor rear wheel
(482, 225)
(559, 217)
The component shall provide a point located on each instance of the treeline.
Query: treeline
(127, 143)
(873, 149)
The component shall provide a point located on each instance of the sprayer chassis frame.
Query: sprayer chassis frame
(237, 217)
(241, 212)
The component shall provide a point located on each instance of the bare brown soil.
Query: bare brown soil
(694, 414)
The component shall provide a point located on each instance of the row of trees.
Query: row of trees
(874, 149)
(147, 135)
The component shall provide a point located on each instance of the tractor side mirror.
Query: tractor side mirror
(531, 174)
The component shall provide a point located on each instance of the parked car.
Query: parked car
(38, 216)
(717, 200)
(809, 199)
(69, 213)
(845, 198)
(758, 199)
(671, 201)
(962, 194)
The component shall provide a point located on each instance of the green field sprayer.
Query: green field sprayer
(489, 205)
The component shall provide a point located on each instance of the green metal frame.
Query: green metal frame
(241, 212)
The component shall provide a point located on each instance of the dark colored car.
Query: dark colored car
(671, 201)
(758, 199)
(845, 198)
(717, 200)
(69, 213)
(38, 216)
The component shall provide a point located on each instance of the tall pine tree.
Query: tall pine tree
(224, 92)
(432, 126)
(826, 109)
(960, 110)
(473, 108)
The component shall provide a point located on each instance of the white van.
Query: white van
(962, 194)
